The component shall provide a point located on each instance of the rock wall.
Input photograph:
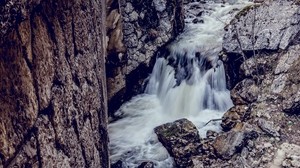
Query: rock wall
(53, 106)
(136, 31)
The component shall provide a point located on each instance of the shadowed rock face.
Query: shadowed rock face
(137, 29)
(52, 84)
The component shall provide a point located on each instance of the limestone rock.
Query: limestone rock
(259, 27)
(181, 139)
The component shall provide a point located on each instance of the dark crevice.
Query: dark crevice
(38, 149)
(76, 130)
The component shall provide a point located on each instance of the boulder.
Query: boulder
(181, 139)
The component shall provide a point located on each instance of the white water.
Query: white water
(195, 89)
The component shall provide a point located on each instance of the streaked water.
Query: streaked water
(187, 82)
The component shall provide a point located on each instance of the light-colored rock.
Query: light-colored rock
(263, 26)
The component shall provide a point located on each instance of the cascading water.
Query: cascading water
(187, 81)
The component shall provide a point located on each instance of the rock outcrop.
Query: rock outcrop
(262, 48)
(260, 28)
(52, 85)
(136, 31)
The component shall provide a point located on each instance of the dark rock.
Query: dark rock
(118, 164)
(146, 165)
(181, 139)
(293, 108)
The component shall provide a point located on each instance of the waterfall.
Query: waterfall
(187, 81)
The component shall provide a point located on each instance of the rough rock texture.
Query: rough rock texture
(260, 28)
(264, 77)
(181, 139)
(136, 31)
(52, 84)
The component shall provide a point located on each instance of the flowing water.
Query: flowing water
(187, 81)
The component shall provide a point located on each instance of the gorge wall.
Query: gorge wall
(53, 110)
(136, 30)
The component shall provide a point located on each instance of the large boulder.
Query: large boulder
(181, 139)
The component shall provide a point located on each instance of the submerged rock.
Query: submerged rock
(181, 139)
(146, 165)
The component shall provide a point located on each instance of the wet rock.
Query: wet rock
(211, 134)
(267, 127)
(146, 165)
(181, 139)
(118, 164)
(234, 115)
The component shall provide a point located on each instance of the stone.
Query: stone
(287, 156)
(181, 139)
(52, 84)
(226, 145)
(141, 24)
(272, 30)
(146, 165)
(267, 127)
(234, 115)
(245, 92)
(229, 143)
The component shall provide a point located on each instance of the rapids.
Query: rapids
(187, 82)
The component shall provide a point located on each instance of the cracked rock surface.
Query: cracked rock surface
(52, 84)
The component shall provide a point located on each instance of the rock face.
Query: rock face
(262, 48)
(136, 31)
(181, 139)
(52, 84)
(259, 28)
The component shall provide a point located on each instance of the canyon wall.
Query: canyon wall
(53, 110)
(136, 30)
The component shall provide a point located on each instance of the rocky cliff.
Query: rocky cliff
(261, 51)
(136, 31)
(53, 106)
